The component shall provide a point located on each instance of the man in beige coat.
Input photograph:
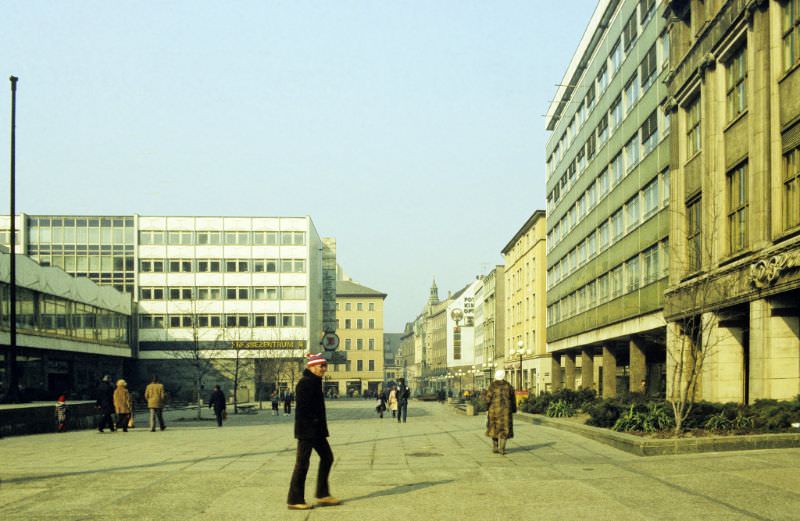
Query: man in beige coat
(155, 396)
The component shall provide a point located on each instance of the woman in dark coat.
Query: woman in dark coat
(217, 402)
(502, 406)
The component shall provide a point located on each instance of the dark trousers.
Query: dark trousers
(219, 413)
(287, 407)
(156, 414)
(402, 411)
(122, 420)
(106, 421)
(298, 485)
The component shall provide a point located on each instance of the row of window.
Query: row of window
(359, 306)
(638, 271)
(791, 33)
(348, 344)
(223, 293)
(54, 315)
(359, 323)
(222, 265)
(643, 77)
(641, 144)
(634, 212)
(228, 238)
(159, 321)
(348, 366)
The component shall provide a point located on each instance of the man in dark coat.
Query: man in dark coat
(217, 402)
(105, 402)
(403, 393)
(311, 431)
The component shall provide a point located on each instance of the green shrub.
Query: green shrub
(538, 404)
(560, 409)
(479, 404)
(604, 413)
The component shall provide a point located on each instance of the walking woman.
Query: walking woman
(393, 401)
(502, 406)
(217, 402)
(123, 405)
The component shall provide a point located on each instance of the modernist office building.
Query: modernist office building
(607, 202)
(231, 287)
(734, 281)
(70, 331)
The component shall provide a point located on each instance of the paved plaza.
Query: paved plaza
(439, 465)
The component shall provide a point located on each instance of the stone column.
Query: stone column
(638, 365)
(587, 369)
(555, 372)
(774, 349)
(609, 373)
(723, 365)
(569, 370)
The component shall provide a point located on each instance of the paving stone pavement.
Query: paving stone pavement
(438, 466)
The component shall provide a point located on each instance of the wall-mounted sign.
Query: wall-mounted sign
(268, 344)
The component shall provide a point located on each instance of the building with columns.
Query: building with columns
(524, 307)
(608, 186)
(734, 281)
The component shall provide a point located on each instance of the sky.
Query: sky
(410, 131)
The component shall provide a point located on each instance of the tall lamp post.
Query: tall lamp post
(488, 369)
(11, 355)
(521, 352)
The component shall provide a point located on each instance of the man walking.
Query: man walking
(311, 431)
(155, 396)
(403, 393)
(105, 402)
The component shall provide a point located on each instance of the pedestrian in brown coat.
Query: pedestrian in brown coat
(123, 404)
(502, 406)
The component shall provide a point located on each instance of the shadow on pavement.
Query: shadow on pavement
(522, 448)
(55, 475)
(399, 489)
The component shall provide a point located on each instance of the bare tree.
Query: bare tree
(192, 354)
(242, 366)
(692, 303)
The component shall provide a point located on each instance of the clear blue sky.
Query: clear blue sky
(412, 132)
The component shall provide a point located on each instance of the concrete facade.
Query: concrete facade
(735, 232)
(608, 186)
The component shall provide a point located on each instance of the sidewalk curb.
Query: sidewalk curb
(658, 447)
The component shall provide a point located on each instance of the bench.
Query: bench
(247, 409)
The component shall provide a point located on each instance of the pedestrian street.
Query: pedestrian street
(439, 465)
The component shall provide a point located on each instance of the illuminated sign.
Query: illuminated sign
(268, 344)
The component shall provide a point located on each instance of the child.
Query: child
(61, 413)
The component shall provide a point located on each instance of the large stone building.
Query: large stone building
(734, 285)
(359, 313)
(608, 186)
(216, 298)
(525, 351)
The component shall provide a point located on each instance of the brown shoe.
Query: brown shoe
(328, 501)
(299, 506)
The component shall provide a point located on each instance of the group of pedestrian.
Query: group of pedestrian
(276, 400)
(395, 400)
(117, 400)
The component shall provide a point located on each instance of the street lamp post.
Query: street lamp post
(488, 369)
(521, 352)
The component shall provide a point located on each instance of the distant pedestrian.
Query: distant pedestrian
(123, 405)
(61, 414)
(287, 403)
(217, 402)
(381, 403)
(156, 396)
(311, 431)
(104, 396)
(275, 402)
(403, 394)
(499, 418)
(393, 400)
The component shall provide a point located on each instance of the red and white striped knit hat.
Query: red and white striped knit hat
(315, 359)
